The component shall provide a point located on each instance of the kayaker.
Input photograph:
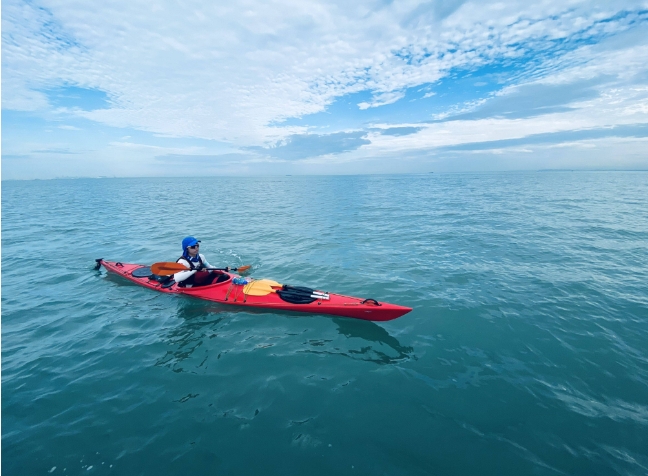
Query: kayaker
(196, 275)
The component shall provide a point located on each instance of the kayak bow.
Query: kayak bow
(262, 294)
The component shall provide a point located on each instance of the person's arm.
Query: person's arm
(182, 275)
(207, 265)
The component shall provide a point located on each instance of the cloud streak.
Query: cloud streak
(301, 146)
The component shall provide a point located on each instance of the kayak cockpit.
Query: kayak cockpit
(222, 278)
(144, 272)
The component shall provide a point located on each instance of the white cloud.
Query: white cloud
(232, 72)
(227, 72)
(154, 149)
(382, 99)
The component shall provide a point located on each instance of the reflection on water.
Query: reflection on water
(185, 339)
(369, 332)
(189, 346)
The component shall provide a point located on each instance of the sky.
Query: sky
(138, 88)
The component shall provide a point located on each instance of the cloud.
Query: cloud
(215, 159)
(614, 110)
(573, 136)
(382, 99)
(234, 74)
(226, 72)
(302, 146)
(14, 156)
(533, 99)
(156, 149)
(398, 131)
(56, 151)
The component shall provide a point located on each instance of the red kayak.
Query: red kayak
(262, 294)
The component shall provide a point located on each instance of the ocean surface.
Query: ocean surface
(526, 352)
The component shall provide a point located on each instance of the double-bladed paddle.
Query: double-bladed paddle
(263, 287)
(165, 268)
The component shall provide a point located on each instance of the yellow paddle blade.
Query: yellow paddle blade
(262, 287)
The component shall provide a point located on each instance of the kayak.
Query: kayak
(232, 289)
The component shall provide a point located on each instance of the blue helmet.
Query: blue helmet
(189, 241)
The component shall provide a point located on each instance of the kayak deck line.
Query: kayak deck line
(285, 298)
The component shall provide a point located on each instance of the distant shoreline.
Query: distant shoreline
(166, 177)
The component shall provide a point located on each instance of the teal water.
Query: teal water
(526, 352)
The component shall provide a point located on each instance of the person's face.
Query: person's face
(193, 250)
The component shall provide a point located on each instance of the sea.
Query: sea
(526, 352)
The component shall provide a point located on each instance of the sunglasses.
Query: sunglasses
(193, 247)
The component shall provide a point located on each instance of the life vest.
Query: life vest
(198, 279)
(191, 265)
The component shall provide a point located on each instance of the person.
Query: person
(196, 274)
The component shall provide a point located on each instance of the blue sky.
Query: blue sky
(161, 89)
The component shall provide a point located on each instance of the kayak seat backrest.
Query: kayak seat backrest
(168, 284)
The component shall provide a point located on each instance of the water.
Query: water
(525, 353)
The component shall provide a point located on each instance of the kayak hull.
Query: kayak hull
(229, 293)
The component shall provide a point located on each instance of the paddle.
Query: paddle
(165, 268)
(263, 287)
